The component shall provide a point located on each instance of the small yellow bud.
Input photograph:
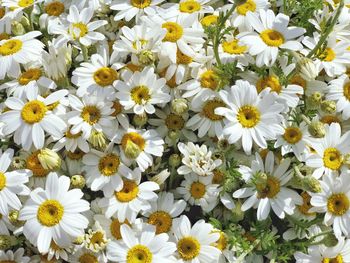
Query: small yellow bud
(314, 101)
(307, 69)
(17, 28)
(13, 218)
(237, 213)
(97, 139)
(161, 177)
(179, 106)
(140, 119)
(146, 57)
(329, 106)
(77, 181)
(316, 129)
(18, 163)
(7, 242)
(174, 134)
(174, 160)
(132, 150)
(311, 184)
(49, 159)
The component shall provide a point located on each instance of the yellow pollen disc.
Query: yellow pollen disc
(162, 220)
(140, 94)
(128, 193)
(337, 259)
(115, 228)
(271, 82)
(91, 114)
(69, 135)
(33, 111)
(209, 109)
(97, 238)
(188, 248)
(54, 8)
(174, 31)
(222, 242)
(174, 122)
(50, 213)
(76, 155)
(329, 119)
(10, 47)
(209, 20)
(109, 164)
(189, 6)
(218, 177)
(338, 204)
(272, 37)
(248, 116)
(87, 258)
(35, 166)
(298, 80)
(197, 190)
(233, 48)
(346, 90)
(292, 135)
(105, 76)
(134, 138)
(243, 9)
(209, 79)
(2, 181)
(81, 28)
(270, 189)
(141, 3)
(305, 207)
(118, 108)
(181, 58)
(25, 3)
(29, 75)
(139, 254)
(2, 12)
(332, 158)
(327, 55)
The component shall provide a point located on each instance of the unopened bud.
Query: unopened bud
(311, 184)
(316, 129)
(132, 150)
(346, 159)
(49, 159)
(146, 57)
(314, 101)
(161, 177)
(179, 106)
(13, 218)
(6, 242)
(140, 119)
(97, 139)
(330, 240)
(307, 69)
(223, 145)
(77, 181)
(174, 160)
(18, 163)
(174, 134)
(17, 28)
(237, 213)
(79, 240)
(328, 106)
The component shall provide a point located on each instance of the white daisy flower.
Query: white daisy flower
(250, 117)
(334, 201)
(11, 184)
(111, 225)
(274, 34)
(163, 211)
(71, 142)
(145, 247)
(30, 119)
(19, 50)
(268, 190)
(19, 4)
(131, 199)
(85, 255)
(131, 8)
(141, 91)
(339, 91)
(197, 159)
(190, 7)
(89, 113)
(17, 256)
(54, 214)
(199, 190)
(104, 171)
(194, 244)
(329, 151)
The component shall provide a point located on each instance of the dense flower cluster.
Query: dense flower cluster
(191, 131)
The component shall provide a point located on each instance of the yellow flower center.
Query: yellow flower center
(233, 48)
(174, 31)
(97, 238)
(271, 82)
(135, 138)
(33, 111)
(174, 122)
(118, 108)
(338, 204)
(50, 213)
(209, 109)
(337, 259)
(128, 193)
(140, 94)
(209, 20)
(139, 254)
(329, 119)
(3, 36)
(346, 91)
(243, 9)
(327, 55)
(141, 3)
(188, 248)
(2, 12)
(162, 220)
(29, 75)
(332, 158)
(25, 3)
(209, 79)
(298, 80)
(69, 135)
(109, 164)
(115, 228)
(197, 190)
(189, 6)
(54, 8)
(181, 58)
(79, 30)
(2, 181)
(272, 37)
(76, 155)
(105, 76)
(87, 258)
(35, 166)
(218, 177)
(91, 114)
(292, 135)
(305, 207)
(269, 189)
(248, 116)
(133, 67)
(222, 242)
(11, 47)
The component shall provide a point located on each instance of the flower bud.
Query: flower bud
(77, 181)
(79, 240)
(174, 135)
(328, 106)
(223, 145)
(132, 150)
(307, 69)
(346, 159)
(97, 139)
(161, 177)
(174, 160)
(13, 218)
(17, 28)
(237, 213)
(179, 106)
(330, 240)
(6, 242)
(18, 163)
(146, 57)
(311, 184)
(314, 101)
(49, 159)
(316, 129)
(140, 119)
